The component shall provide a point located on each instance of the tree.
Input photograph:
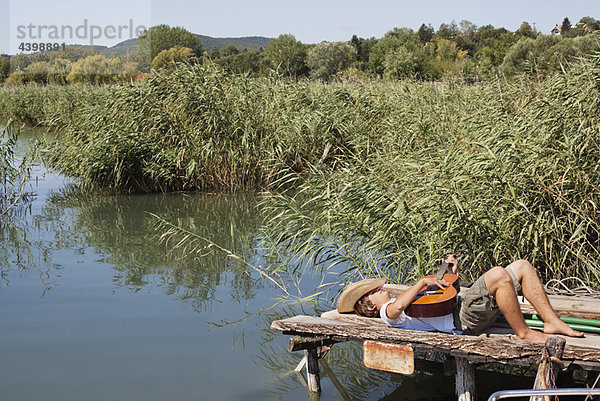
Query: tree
(19, 62)
(487, 35)
(585, 26)
(246, 62)
(519, 58)
(448, 31)
(425, 33)
(487, 60)
(328, 58)
(559, 56)
(288, 54)
(465, 39)
(526, 31)
(38, 72)
(17, 78)
(163, 37)
(565, 27)
(4, 67)
(59, 71)
(129, 71)
(71, 53)
(445, 57)
(168, 58)
(55, 58)
(96, 69)
(362, 50)
(214, 53)
(589, 24)
(393, 40)
(533, 56)
(493, 44)
(229, 50)
(446, 50)
(400, 63)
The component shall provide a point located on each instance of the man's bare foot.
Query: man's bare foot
(533, 335)
(560, 327)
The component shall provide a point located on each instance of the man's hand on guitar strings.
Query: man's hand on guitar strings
(431, 281)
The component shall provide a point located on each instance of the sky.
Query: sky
(310, 21)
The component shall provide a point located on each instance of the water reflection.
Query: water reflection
(121, 231)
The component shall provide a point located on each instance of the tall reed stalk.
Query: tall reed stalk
(14, 173)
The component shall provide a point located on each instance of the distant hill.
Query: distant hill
(248, 42)
(121, 48)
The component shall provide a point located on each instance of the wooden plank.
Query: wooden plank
(315, 319)
(351, 318)
(492, 348)
(299, 343)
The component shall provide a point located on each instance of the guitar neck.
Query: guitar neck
(443, 270)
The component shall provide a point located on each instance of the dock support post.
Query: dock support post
(465, 380)
(549, 367)
(312, 371)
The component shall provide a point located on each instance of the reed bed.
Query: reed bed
(47, 105)
(200, 128)
(497, 171)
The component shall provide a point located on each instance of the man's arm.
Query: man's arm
(402, 302)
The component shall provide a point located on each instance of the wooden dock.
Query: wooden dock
(497, 345)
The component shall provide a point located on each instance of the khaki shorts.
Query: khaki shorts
(477, 309)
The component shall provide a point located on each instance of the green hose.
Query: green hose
(539, 323)
(580, 327)
(566, 319)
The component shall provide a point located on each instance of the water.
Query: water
(93, 308)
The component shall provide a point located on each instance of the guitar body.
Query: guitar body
(433, 301)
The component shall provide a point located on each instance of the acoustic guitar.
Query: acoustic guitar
(433, 301)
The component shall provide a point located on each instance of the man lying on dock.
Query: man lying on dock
(494, 292)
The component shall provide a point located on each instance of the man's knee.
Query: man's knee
(522, 267)
(497, 277)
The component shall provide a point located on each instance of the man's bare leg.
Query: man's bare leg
(534, 291)
(501, 287)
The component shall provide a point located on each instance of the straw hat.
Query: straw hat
(356, 290)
